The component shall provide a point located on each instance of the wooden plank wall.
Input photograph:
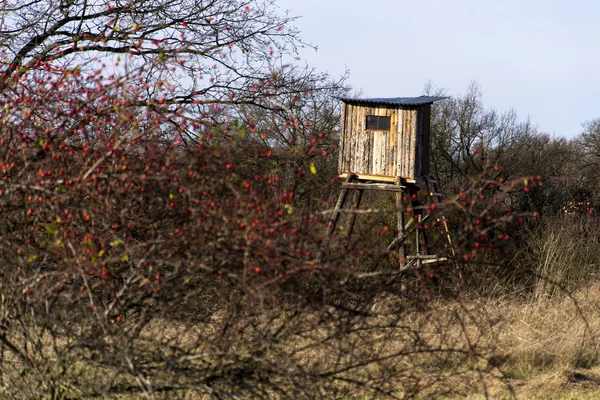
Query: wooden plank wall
(390, 154)
(343, 125)
(407, 153)
(426, 138)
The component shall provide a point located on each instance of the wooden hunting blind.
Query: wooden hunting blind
(383, 139)
(385, 146)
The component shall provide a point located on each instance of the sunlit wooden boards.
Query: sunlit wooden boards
(402, 151)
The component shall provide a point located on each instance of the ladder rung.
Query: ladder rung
(425, 260)
(436, 194)
(426, 257)
(435, 260)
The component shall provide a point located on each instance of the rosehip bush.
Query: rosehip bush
(139, 262)
(165, 185)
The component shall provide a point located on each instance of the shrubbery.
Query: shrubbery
(162, 218)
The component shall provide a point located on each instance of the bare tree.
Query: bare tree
(209, 51)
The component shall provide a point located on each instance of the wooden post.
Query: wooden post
(418, 233)
(401, 230)
(355, 204)
(424, 241)
(338, 209)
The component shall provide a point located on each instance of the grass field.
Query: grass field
(543, 347)
(547, 348)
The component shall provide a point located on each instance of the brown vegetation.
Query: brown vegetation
(159, 240)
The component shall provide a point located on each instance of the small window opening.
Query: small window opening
(377, 123)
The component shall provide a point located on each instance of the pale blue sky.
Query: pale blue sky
(540, 57)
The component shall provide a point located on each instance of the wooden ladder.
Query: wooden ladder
(436, 201)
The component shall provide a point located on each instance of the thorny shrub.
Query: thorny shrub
(152, 250)
(137, 263)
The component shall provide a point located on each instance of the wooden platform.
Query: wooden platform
(374, 186)
(375, 178)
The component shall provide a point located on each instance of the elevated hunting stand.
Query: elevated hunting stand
(385, 145)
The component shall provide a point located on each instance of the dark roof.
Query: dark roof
(394, 101)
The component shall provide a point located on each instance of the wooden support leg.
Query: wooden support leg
(401, 227)
(424, 241)
(338, 209)
(418, 234)
(355, 204)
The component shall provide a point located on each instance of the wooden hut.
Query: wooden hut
(383, 139)
(385, 142)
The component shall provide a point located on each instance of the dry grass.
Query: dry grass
(548, 348)
(544, 348)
